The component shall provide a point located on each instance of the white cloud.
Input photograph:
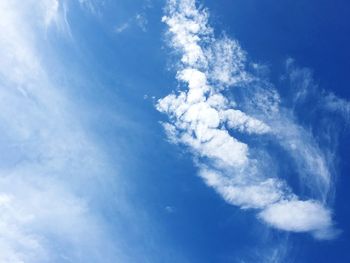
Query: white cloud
(300, 216)
(242, 193)
(186, 24)
(226, 62)
(311, 161)
(237, 119)
(205, 121)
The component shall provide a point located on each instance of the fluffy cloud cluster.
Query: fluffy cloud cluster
(209, 123)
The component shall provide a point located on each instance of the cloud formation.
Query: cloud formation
(226, 114)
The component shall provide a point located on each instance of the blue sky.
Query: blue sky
(174, 131)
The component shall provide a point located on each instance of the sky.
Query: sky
(174, 131)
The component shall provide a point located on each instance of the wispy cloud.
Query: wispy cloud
(230, 137)
(305, 89)
(339, 105)
(92, 6)
(45, 152)
(139, 20)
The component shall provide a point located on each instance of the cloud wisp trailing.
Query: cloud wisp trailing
(227, 116)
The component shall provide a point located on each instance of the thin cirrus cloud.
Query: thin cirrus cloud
(139, 20)
(45, 211)
(228, 134)
(304, 89)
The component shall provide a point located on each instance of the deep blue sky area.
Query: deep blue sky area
(112, 66)
(314, 33)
